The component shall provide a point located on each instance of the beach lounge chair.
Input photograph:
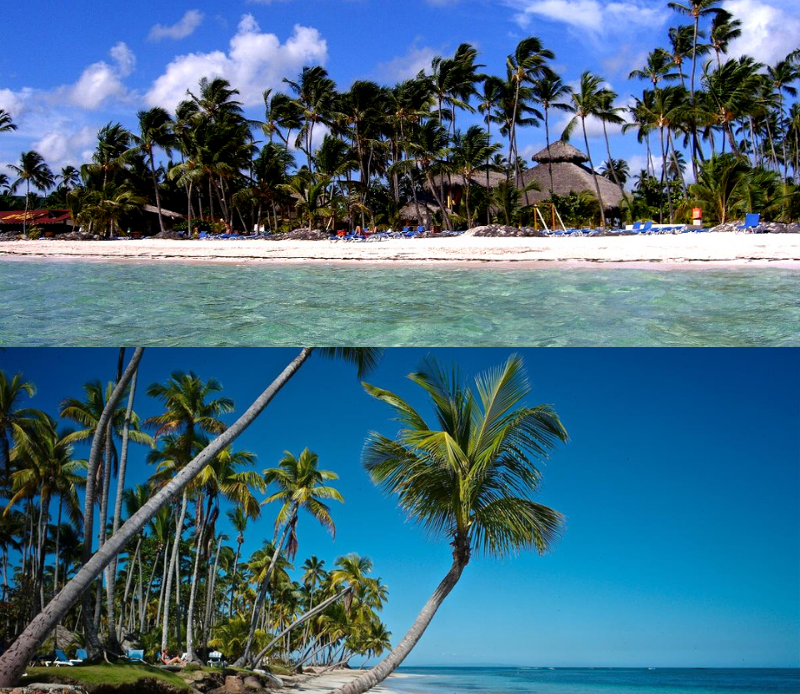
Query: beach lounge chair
(752, 222)
(215, 659)
(61, 659)
(80, 656)
(636, 226)
(137, 656)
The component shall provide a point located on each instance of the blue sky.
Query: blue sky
(680, 486)
(66, 69)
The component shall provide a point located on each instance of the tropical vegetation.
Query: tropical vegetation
(374, 155)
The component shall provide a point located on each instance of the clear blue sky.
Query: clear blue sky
(68, 68)
(681, 488)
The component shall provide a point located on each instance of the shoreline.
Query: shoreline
(684, 250)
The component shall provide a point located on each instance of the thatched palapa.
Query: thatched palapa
(570, 174)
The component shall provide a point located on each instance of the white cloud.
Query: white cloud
(184, 27)
(66, 144)
(101, 80)
(254, 62)
(769, 32)
(406, 66)
(591, 16)
(14, 102)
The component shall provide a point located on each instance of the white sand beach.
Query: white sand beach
(322, 684)
(660, 249)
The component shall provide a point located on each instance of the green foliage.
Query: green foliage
(576, 209)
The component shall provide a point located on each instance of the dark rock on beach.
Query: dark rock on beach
(43, 688)
(301, 235)
(168, 234)
(763, 228)
(495, 230)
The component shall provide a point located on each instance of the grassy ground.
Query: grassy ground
(118, 675)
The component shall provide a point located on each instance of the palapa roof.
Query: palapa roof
(479, 178)
(560, 151)
(408, 211)
(568, 178)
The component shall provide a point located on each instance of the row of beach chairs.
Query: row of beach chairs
(404, 233)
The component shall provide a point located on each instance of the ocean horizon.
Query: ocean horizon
(593, 680)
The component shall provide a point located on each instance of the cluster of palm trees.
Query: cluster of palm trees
(365, 154)
(179, 585)
(467, 477)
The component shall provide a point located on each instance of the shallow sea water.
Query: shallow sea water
(99, 304)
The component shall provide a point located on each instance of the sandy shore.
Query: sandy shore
(322, 684)
(683, 248)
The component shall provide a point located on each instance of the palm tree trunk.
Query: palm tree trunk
(92, 642)
(664, 180)
(155, 187)
(128, 581)
(211, 582)
(143, 603)
(611, 164)
(171, 572)
(233, 578)
(27, 197)
(56, 563)
(262, 593)
(167, 554)
(192, 599)
(398, 654)
(14, 660)
(111, 570)
(594, 175)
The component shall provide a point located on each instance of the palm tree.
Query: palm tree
(6, 124)
(16, 657)
(470, 480)
(681, 45)
(69, 178)
(608, 113)
(616, 169)
(657, 68)
(15, 422)
(526, 64)
(724, 29)
(32, 171)
(300, 485)
(155, 130)
(781, 75)
(472, 153)
(719, 184)
(548, 89)
(695, 9)
(315, 92)
(588, 100)
(238, 519)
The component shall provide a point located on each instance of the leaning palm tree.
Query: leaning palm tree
(301, 485)
(467, 478)
(589, 99)
(724, 29)
(32, 171)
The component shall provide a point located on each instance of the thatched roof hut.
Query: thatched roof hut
(408, 213)
(478, 178)
(570, 174)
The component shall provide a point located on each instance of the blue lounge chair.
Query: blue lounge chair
(752, 222)
(636, 226)
(61, 659)
(80, 656)
(645, 228)
(137, 656)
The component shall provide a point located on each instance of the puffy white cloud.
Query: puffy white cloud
(14, 102)
(101, 80)
(254, 62)
(770, 29)
(591, 16)
(406, 66)
(184, 27)
(66, 144)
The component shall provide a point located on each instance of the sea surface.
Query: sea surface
(100, 304)
(594, 681)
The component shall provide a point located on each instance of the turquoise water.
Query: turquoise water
(594, 681)
(100, 304)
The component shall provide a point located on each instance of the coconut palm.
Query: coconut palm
(472, 153)
(16, 423)
(718, 187)
(724, 29)
(527, 63)
(69, 178)
(155, 130)
(781, 75)
(657, 68)
(32, 171)
(468, 478)
(314, 97)
(681, 46)
(616, 169)
(590, 99)
(695, 9)
(300, 485)
(548, 90)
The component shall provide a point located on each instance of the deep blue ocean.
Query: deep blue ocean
(74, 303)
(594, 681)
